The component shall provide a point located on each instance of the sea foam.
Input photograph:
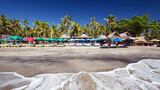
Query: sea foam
(144, 75)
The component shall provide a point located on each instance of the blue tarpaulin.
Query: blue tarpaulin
(118, 40)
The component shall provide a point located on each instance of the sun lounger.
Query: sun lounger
(108, 47)
(79, 44)
(88, 45)
(61, 45)
(83, 44)
(96, 44)
(39, 45)
(71, 44)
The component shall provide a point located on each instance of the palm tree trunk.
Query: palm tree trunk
(51, 33)
(26, 30)
(16, 31)
(38, 32)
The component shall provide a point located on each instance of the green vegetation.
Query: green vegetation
(137, 25)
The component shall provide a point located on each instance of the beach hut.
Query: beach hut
(64, 36)
(155, 41)
(114, 35)
(84, 36)
(127, 38)
(142, 41)
(125, 35)
(102, 36)
(2, 36)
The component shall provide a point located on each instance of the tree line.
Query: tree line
(136, 26)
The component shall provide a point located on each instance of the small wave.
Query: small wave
(143, 75)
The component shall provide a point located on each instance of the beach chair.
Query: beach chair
(87, 44)
(61, 45)
(54, 44)
(75, 44)
(96, 44)
(66, 44)
(39, 45)
(83, 44)
(79, 44)
(71, 44)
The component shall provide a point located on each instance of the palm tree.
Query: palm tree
(4, 24)
(37, 23)
(75, 29)
(67, 21)
(100, 29)
(25, 22)
(110, 22)
(94, 25)
(45, 28)
(155, 28)
(87, 28)
(15, 24)
(53, 27)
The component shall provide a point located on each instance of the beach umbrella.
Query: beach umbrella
(118, 40)
(65, 39)
(81, 40)
(30, 39)
(76, 39)
(24, 39)
(39, 39)
(112, 39)
(2, 40)
(93, 39)
(72, 40)
(50, 39)
(15, 38)
(7, 39)
(55, 39)
(61, 39)
(98, 39)
(88, 39)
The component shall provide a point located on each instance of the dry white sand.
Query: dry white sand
(30, 61)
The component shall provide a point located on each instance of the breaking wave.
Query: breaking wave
(144, 75)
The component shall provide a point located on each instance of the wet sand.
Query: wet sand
(30, 61)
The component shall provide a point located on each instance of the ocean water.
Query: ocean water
(143, 75)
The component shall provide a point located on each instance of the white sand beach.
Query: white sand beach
(31, 61)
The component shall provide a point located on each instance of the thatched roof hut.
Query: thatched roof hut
(84, 35)
(102, 36)
(2, 36)
(126, 35)
(155, 40)
(141, 39)
(64, 35)
(114, 35)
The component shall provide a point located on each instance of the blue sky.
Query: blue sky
(82, 10)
